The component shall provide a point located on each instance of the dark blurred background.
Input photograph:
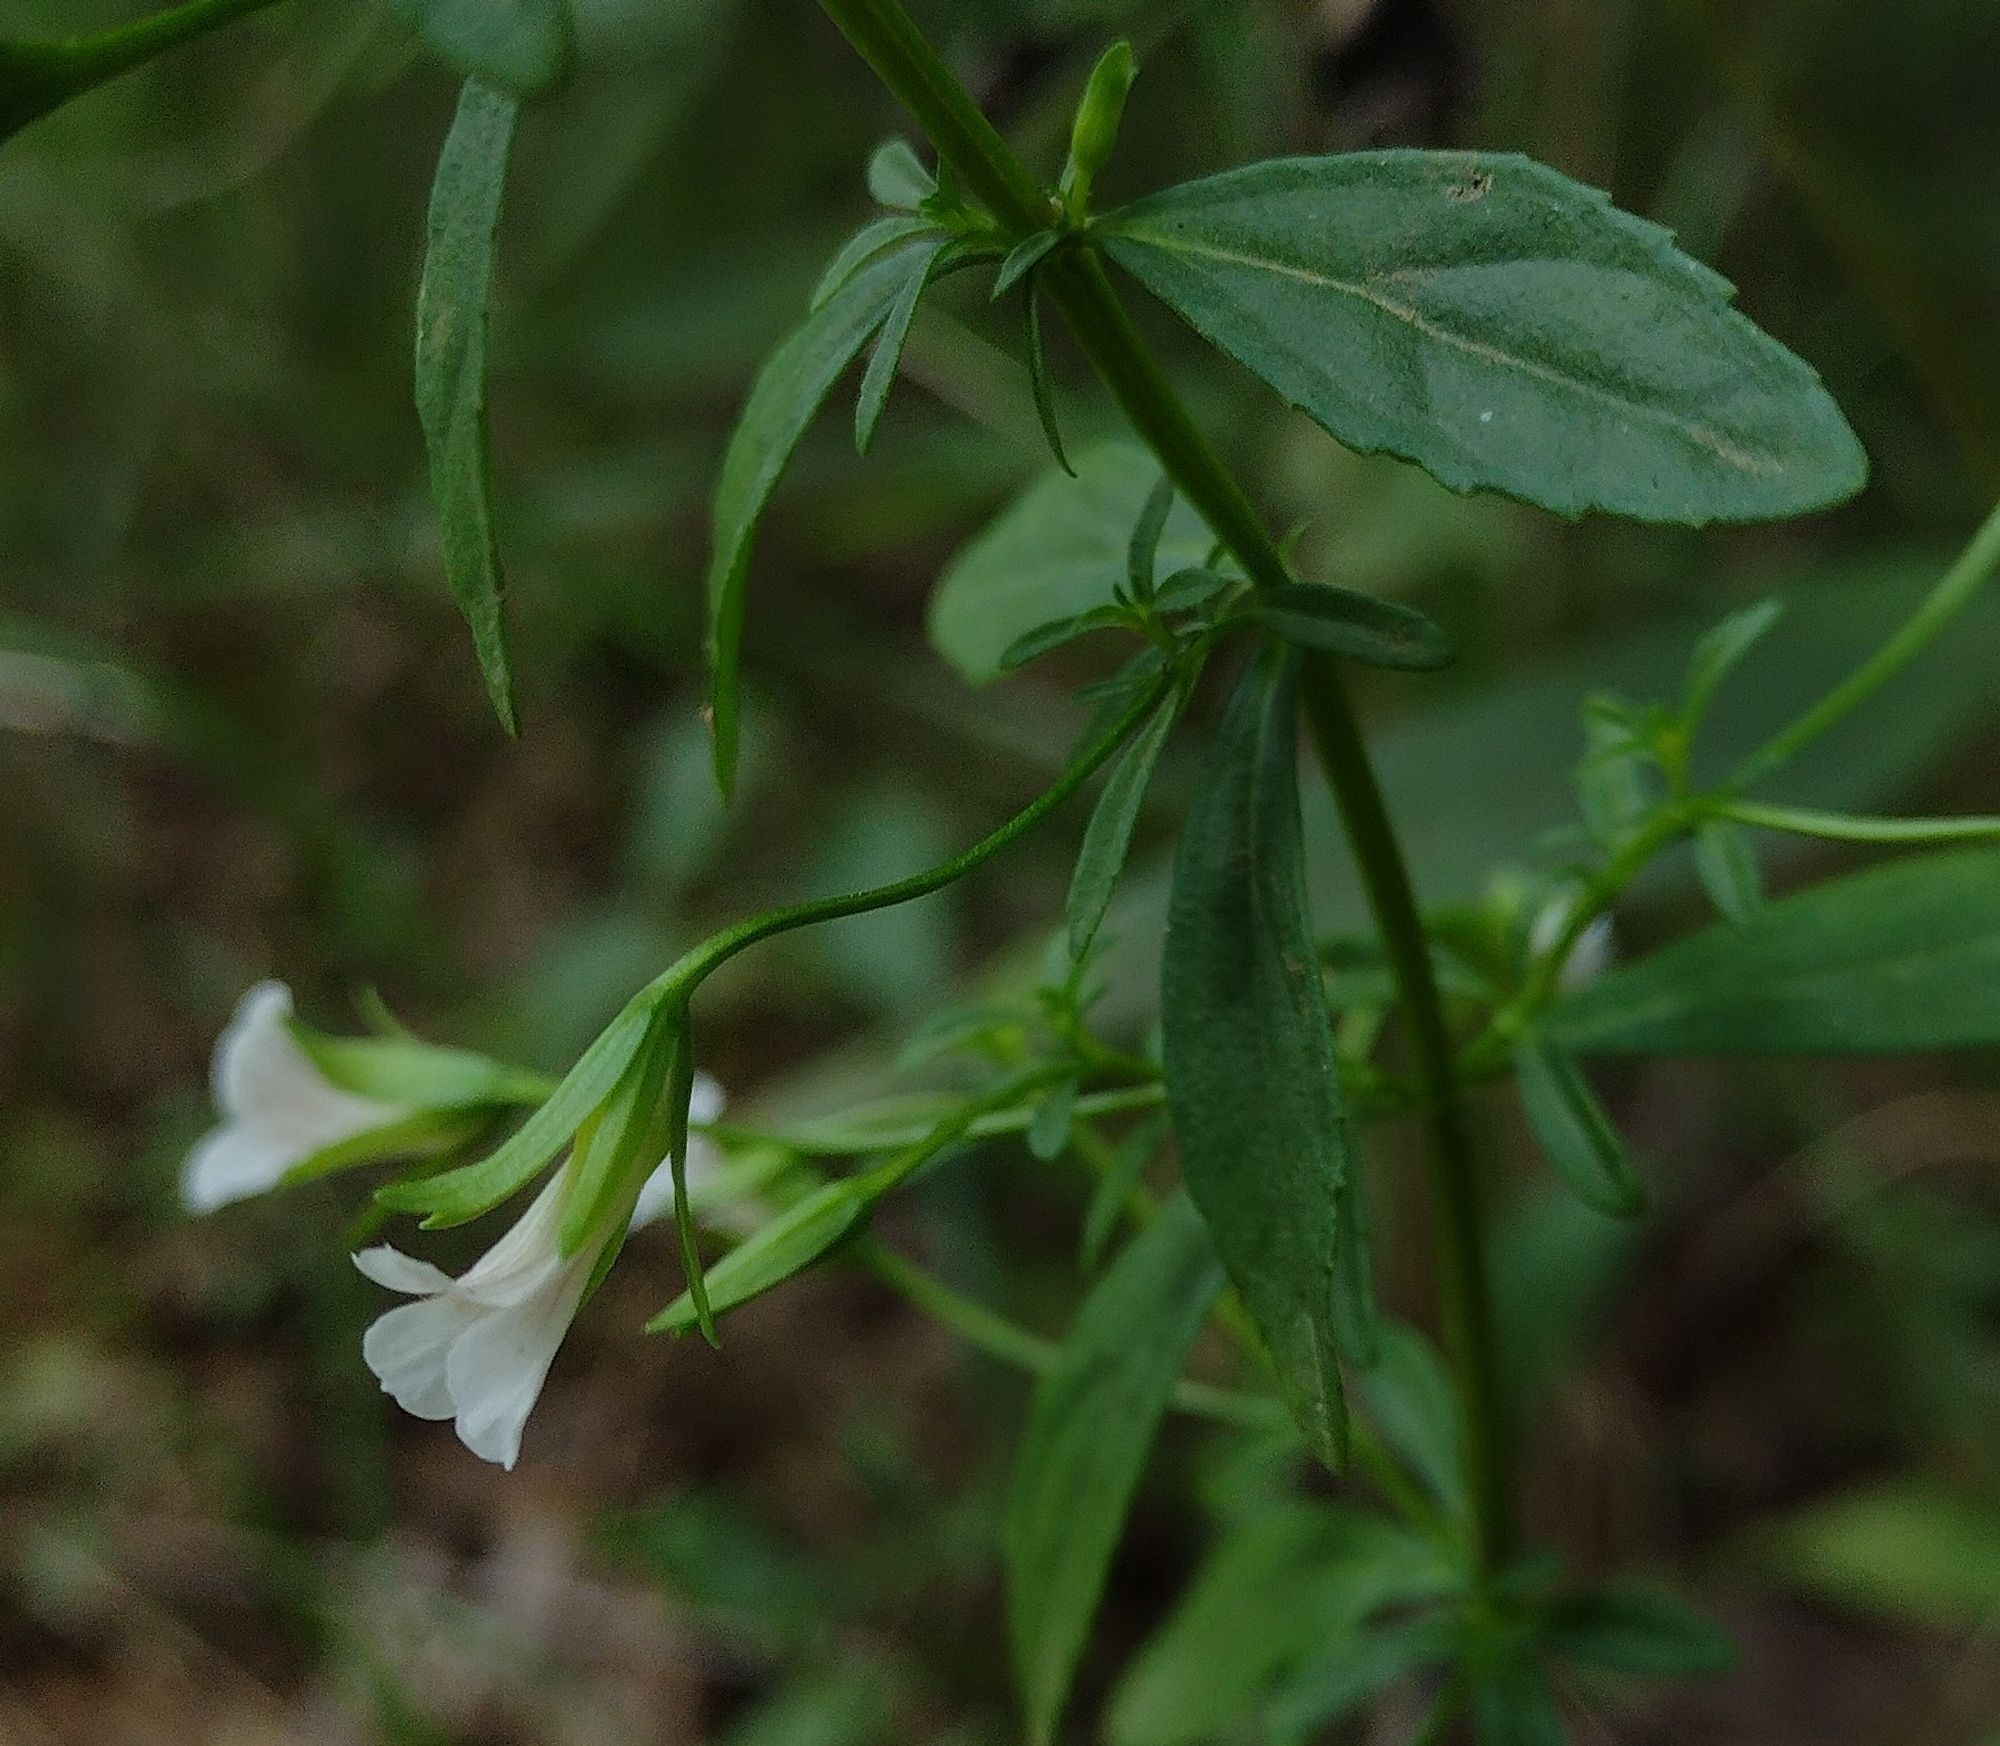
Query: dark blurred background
(242, 734)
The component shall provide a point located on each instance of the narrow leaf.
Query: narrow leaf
(1727, 865)
(1022, 260)
(1045, 638)
(1899, 959)
(1252, 1079)
(680, 1093)
(1573, 1131)
(1410, 1397)
(788, 1245)
(887, 357)
(523, 46)
(1048, 1133)
(1089, 1432)
(1339, 621)
(1639, 1631)
(790, 389)
(1503, 327)
(1142, 556)
(1108, 837)
(1039, 384)
(458, 1196)
(452, 316)
(1722, 650)
(864, 245)
(1191, 589)
(1112, 1196)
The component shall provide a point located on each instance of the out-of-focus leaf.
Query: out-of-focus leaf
(452, 317)
(789, 390)
(1088, 1436)
(1291, 1584)
(707, 1550)
(1502, 326)
(1338, 621)
(1113, 1191)
(1726, 861)
(897, 177)
(1060, 550)
(1516, 1706)
(1640, 1631)
(1901, 958)
(1910, 1551)
(1409, 1396)
(522, 46)
(1722, 651)
(1108, 838)
(1573, 1130)
(1252, 1079)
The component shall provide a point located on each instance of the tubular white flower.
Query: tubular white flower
(477, 1349)
(278, 1108)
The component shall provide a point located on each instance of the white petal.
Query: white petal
(399, 1272)
(264, 1080)
(706, 1103)
(496, 1369)
(527, 1257)
(232, 1163)
(656, 1198)
(408, 1347)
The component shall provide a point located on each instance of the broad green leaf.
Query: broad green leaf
(790, 389)
(1502, 326)
(522, 46)
(1899, 959)
(1108, 837)
(1726, 862)
(452, 317)
(1089, 1433)
(1060, 550)
(1338, 621)
(1291, 1585)
(887, 357)
(790, 1243)
(459, 1196)
(1638, 1631)
(1252, 1079)
(1909, 1551)
(1573, 1130)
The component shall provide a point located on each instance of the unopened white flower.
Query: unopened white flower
(278, 1108)
(477, 1349)
(1589, 958)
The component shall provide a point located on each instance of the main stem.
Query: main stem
(886, 37)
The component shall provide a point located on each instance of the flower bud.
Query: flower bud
(1098, 117)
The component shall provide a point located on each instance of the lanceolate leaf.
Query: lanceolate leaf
(522, 45)
(1091, 1427)
(888, 354)
(1502, 326)
(1575, 1134)
(789, 1244)
(790, 389)
(1108, 837)
(1901, 958)
(452, 314)
(1252, 1080)
(1338, 621)
(1639, 1631)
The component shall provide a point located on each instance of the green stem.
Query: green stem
(1945, 602)
(681, 979)
(886, 38)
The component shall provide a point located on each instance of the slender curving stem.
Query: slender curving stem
(890, 42)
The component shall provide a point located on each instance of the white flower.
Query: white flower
(278, 1108)
(477, 1349)
(704, 1159)
(1589, 958)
